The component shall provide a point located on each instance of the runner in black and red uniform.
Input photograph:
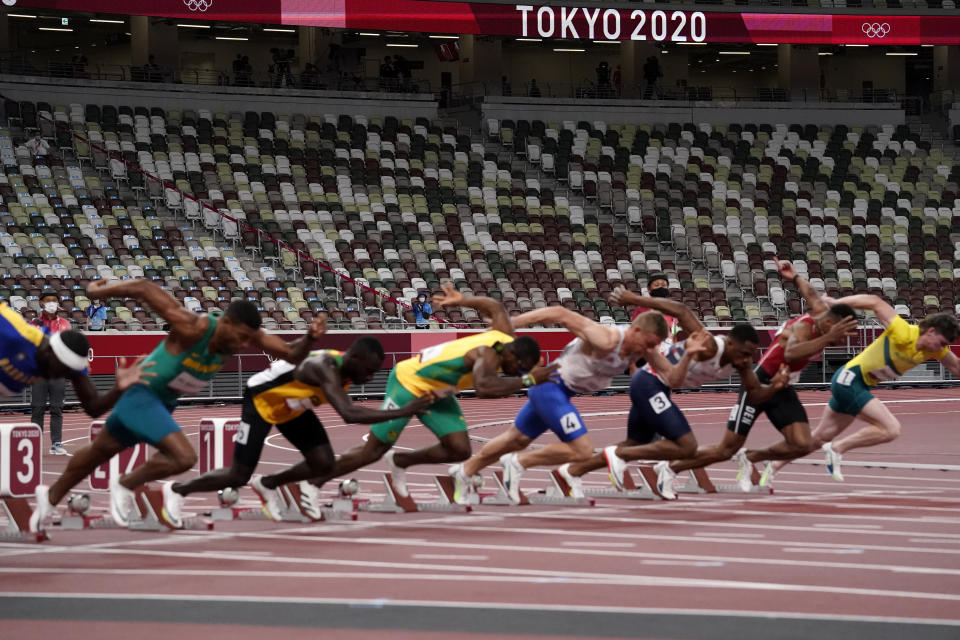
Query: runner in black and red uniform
(795, 344)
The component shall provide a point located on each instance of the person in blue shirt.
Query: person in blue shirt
(96, 316)
(421, 311)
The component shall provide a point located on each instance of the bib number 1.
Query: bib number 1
(846, 377)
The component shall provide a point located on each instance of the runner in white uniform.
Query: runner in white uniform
(652, 414)
(587, 365)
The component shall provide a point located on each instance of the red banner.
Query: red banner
(537, 21)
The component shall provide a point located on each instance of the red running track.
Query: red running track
(884, 545)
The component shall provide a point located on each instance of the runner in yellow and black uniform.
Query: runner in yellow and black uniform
(285, 395)
(437, 372)
(901, 347)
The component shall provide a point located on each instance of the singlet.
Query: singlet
(187, 372)
(774, 357)
(279, 398)
(698, 372)
(585, 374)
(892, 354)
(442, 365)
(18, 352)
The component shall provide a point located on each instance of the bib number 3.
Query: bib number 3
(660, 403)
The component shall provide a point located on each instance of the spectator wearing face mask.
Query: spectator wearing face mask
(38, 147)
(96, 316)
(658, 287)
(47, 391)
(421, 311)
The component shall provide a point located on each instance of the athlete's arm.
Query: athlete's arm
(592, 333)
(688, 321)
(322, 372)
(884, 312)
(486, 378)
(493, 309)
(952, 363)
(96, 404)
(182, 321)
(758, 393)
(810, 295)
(293, 352)
(675, 374)
(801, 346)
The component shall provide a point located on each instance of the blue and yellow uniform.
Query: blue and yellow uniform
(436, 367)
(143, 413)
(19, 341)
(888, 357)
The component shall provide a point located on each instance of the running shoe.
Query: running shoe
(744, 471)
(122, 502)
(310, 500)
(615, 466)
(665, 478)
(574, 482)
(44, 510)
(398, 474)
(172, 507)
(766, 478)
(462, 484)
(273, 503)
(834, 460)
(57, 450)
(512, 472)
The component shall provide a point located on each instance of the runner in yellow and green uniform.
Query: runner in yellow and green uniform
(438, 372)
(901, 347)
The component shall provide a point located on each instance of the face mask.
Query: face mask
(96, 303)
(660, 293)
(50, 307)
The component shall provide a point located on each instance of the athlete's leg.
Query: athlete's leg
(664, 449)
(797, 441)
(236, 475)
(175, 456)
(367, 453)
(883, 427)
(452, 447)
(510, 440)
(307, 434)
(831, 424)
(83, 463)
(579, 450)
(704, 456)
(596, 461)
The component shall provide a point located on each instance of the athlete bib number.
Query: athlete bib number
(243, 433)
(570, 423)
(660, 403)
(847, 377)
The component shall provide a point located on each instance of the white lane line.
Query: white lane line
(714, 534)
(822, 525)
(531, 576)
(442, 556)
(605, 545)
(834, 551)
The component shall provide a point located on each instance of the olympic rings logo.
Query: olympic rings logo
(875, 29)
(198, 5)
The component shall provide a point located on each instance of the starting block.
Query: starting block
(340, 509)
(557, 494)
(229, 511)
(393, 503)
(78, 517)
(20, 469)
(698, 481)
(645, 489)
(147, 515)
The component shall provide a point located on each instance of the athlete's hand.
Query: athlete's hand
(698, 342)
(420, 404)
(450, 296)
(840, 330)
(827, 300)
(781, 379)
(543, 373)
(621, 296)
(98, 288)
(134, 373)
(786, 269)
(318, 327)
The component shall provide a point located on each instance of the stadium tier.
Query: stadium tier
(533, 212)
